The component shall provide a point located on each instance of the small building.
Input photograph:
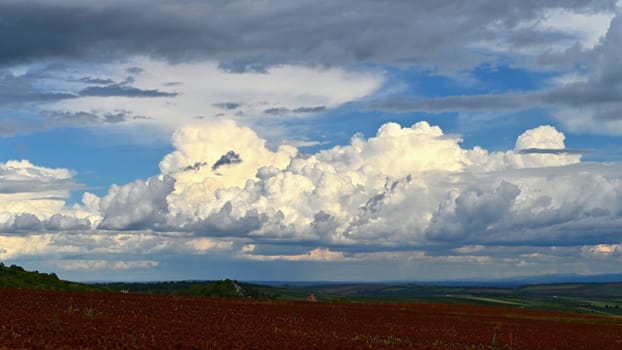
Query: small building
(312, 298)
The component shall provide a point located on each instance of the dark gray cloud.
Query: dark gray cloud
(141, 117)
(115, 118)
(469, 103)
(123, 90)
(279, 111)
(227, 105)
(85, 118)
(28, 89)
(316, 109)
(228, 158)
(195, 166)
(22, 89)
(375, 203)
(34, 185)
(248, 37)
(99, 81)
(602, 100)
(47, 120)
(49, 198)
(530, 37)
(244, 66)
(135, 70)
(33, 96)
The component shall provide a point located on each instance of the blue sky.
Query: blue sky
(311, 140)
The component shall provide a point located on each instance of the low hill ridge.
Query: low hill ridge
(15, 276)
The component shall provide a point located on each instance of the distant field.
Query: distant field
(610, 290)
(588, 298)
(594, 298)
(33, 319)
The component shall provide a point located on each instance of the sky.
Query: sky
(280, 140)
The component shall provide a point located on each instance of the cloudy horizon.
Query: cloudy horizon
(311, 140)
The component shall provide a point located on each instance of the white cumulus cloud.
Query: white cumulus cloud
(411, 188)
(406, 185)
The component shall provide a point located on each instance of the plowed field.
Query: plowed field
(70, 320)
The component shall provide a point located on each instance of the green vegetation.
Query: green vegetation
(16, 277)
(609, 290)
(224, 289)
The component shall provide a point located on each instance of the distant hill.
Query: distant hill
(555, 279)
(408, 291)
(223, 289)
(583, 290)
(16, 277)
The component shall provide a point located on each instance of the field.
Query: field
(594, 298)
(31, 319)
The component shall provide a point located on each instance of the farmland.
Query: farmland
(37, 319)
(590, 298)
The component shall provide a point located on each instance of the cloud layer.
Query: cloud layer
(156, 63)
(145, 92)
(407, 190)
(252, 36)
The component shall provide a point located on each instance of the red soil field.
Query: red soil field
(71, 320)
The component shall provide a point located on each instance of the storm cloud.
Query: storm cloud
(122, 90)
(316, 31)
